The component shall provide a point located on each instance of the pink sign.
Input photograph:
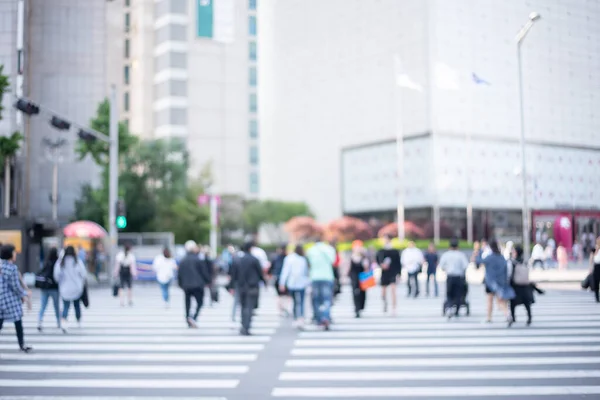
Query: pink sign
(204, 199)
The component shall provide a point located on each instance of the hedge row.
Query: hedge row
(377, 244)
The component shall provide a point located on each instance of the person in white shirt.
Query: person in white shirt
(165, 266)
(126, 271)
(262, 257)
(412, 260)
(294, 277)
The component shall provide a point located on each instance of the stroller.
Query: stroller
(457, 290)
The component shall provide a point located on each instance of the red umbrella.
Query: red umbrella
(84, 229)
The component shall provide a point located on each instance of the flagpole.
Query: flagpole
(399, 150)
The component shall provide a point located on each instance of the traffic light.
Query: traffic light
(86, 136)
(60, 123)
(27, 107)
(121, 220)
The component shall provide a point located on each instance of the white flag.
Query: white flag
(446, 78)
(402, 79)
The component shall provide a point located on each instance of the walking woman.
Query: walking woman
(359, 263)
(496, 280)
(70, 274)
(49, 288)
(165, 266)
(519, 279)
(294, 277)
(126, 271)
(595, 270)
(12, 294)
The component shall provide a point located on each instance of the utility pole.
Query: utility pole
(54, 147)
(113, 185)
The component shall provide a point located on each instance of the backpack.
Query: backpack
(521, 274)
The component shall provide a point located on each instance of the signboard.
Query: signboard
(205, 18)
(204, 199)
(12, 237)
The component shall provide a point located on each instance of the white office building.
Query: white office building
(188, 69)
(341, 79)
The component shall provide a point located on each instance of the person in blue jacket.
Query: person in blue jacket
(497, 282)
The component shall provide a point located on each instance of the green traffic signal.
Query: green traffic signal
(121, 222)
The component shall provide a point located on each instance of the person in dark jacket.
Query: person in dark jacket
(247, 273)
(49, 288)
(193, 276)
(275, 272)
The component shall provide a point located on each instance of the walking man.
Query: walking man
(193, 277)
(246, 275)
(321, 258)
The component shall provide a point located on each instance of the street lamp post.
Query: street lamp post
(55, 157)
(533, 17)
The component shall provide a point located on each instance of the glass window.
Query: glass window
(252, 51)
(126, 74)
(253, 103)
(253, 182)
(126, 101)
(453, 223)
(253, 128)
(252, 4)
(252, 25)
(252, 76)
(126, 48)
(253, 155)
(127, 22)
(127, 3)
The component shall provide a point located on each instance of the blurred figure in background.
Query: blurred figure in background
(519, 280)
(562, 257)
(246, 276)
(275, 271)
(12, 294)
(294, 278)
(508, 250)
(359, 263)
(165, 266)
(595, 269)
(126, 271)
(70, 274)
(193, 277)
(497, 283)
(388, 259)
(432, 259)
(321, 258)
(49, 287)
(412, 259)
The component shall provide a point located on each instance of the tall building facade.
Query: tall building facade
(54, 54)
(189, 71)
(332, 110)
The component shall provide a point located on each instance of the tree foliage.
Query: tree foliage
(348, 228)
(273, 212)
(9, 145)
(152, 182)
(4, 85)
(303, 228)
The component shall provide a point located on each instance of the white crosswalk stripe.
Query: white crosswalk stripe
(420, 354)
(122, 350)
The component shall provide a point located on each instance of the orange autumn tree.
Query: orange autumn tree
(346, 229)
(411, 230)
(303, 229)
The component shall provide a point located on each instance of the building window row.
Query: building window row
(252, 25)
(126, 101)
(253, 129)
(252, 76)
(127, 22)
(254, 182)
(252, 51)
(252, 4)
(126, 77)
(253, 155)
(253, 103)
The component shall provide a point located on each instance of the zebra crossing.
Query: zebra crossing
(419, 354)
(122, 352)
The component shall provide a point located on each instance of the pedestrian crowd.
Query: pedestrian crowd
(314, 272)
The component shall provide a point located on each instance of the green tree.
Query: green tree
(98, 149)
(273, 212)
(9, 145)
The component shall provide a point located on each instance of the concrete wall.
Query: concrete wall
(67, 64)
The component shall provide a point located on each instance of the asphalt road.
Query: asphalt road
(147, 351)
